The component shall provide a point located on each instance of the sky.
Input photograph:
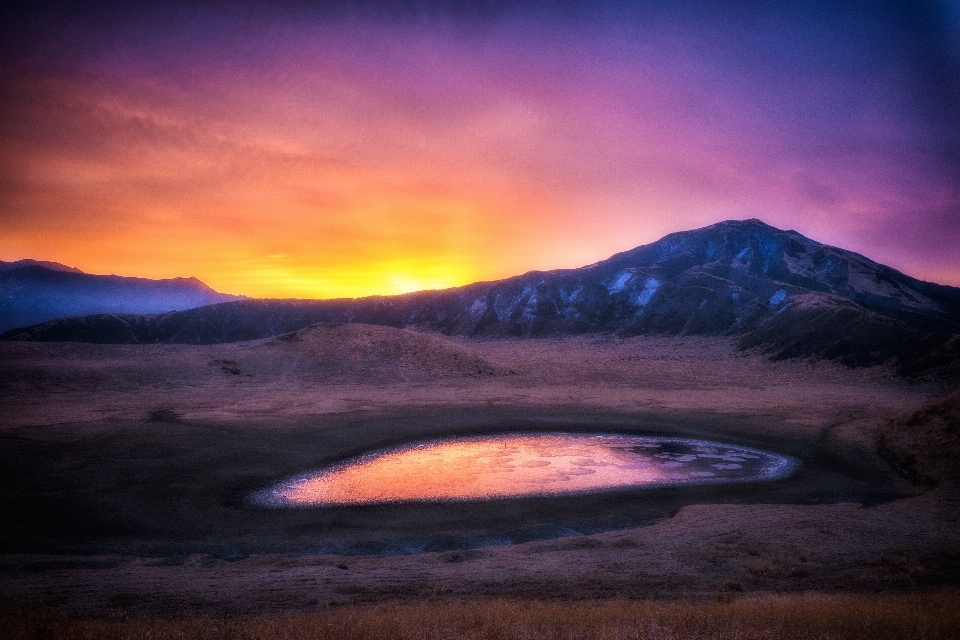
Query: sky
(351, 149)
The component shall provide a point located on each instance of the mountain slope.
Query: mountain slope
(777, 290)
(925, 446)
(32, 292)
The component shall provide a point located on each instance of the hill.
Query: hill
(335, 349)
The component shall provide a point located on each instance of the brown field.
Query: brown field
(930, 616)
(125, 471)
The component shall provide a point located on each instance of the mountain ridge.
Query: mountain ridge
(46, 264)
(33, 292)
(776, 291)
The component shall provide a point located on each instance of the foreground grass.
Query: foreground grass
(914, 617)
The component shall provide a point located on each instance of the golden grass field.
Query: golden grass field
(930, 616)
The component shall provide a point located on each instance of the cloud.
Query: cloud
(441, 146)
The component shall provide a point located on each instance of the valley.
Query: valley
(127, 468)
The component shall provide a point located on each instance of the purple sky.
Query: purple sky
(383, 147)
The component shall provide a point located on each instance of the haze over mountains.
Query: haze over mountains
(775, 290)
(33, 291)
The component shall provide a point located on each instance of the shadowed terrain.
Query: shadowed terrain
(925, 446)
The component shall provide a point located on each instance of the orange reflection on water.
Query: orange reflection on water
(478, 468)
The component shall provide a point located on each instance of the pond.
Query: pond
(518, 465)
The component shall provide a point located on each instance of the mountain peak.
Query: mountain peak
(751, 259)
(746, 222)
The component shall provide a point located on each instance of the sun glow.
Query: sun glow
(282, 277)
(406, 284)
(334, 157)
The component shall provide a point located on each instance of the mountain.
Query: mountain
(33, 292)
(52, 266)
(778, 291)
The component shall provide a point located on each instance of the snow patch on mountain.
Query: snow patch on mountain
(863, 281)
(620, 283)
(778, 297)
(668, 249)
(649, 289)
(478, 307)
(574, 295)
(530, 307)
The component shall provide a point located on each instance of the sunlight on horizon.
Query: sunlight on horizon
(272, 278)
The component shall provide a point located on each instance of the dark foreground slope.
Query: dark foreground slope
(925, 446)
(33, 292)
(777, 290)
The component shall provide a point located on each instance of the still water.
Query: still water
(517, 465)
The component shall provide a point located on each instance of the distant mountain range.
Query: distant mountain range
(52, 266)
(777, 291)
(33, 292)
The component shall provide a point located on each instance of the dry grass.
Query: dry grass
(916, 617)
(57, 384)
(926, 445)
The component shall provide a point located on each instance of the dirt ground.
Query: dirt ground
(126, 471)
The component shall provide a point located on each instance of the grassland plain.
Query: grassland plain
(125, 471)
(929, 616)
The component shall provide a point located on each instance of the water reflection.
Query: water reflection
(522, 465)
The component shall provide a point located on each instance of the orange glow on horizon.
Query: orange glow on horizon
(334, 159)
(237, 198)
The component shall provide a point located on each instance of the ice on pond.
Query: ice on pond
(517, 465)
